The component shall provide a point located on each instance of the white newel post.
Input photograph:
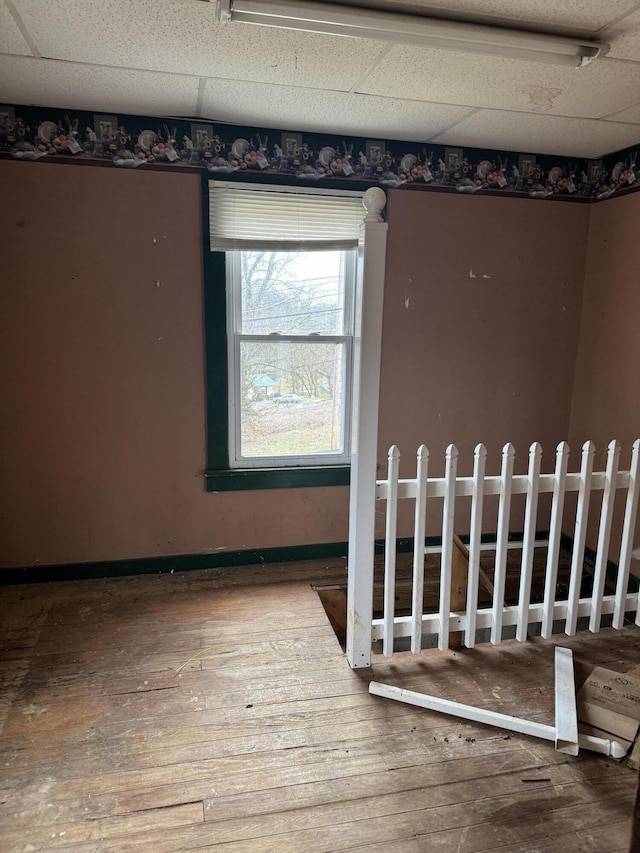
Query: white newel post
(364, 442)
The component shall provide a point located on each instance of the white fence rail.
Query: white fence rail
(423, 490)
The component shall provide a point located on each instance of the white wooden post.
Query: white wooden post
(555, 531)
(420, 522)
(390, 551)
(580, 536)
(628, 532)
(564, 733)
(477, 501)
(604, 535)
(364, 429)
(565, 696)
(528, 540)
(502, 538)
(448, 513)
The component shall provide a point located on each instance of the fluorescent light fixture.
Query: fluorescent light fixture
(357, 22)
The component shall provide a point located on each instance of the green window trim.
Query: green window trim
(238, 479)
(218, 476)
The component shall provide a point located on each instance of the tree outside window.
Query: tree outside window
(290, 321)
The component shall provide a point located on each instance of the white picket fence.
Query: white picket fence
(426, 491)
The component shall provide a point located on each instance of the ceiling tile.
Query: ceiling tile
(495, 83)
(184, 37)
(91, 87)
(632, 115)
(313, 110)
(578, 16)
(624, 38)
(11, 39)
(571, 137)
(306, 81)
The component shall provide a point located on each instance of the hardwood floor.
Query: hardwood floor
(216, 711)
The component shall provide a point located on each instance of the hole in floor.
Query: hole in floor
(334, 601)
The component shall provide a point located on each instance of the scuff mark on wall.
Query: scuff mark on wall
(540, 97)
(407, 296)
(472, 274)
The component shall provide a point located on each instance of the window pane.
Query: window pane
(292, 292)
(291, 398)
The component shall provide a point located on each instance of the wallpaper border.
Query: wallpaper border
(33, 133)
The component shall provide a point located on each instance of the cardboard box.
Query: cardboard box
(609, 705)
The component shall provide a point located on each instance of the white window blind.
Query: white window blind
(270, 218)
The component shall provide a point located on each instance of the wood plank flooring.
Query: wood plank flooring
(215, 711)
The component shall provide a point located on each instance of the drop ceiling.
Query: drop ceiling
(171, 58)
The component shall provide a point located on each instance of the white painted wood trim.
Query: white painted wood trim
(580, 535)
(364, 444)
(420, 522)
(555, 533)
(484, 616)
(466, 712)
(475, 545)
(492, 485)
(491, 546)
(504, 512)
(446, 558)
(494, 718)
(530, 516)
(565, 700)
(390, 552)
(628, 532)
(604, 535)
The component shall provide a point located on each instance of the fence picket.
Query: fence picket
(604, 536)
(448, 512)
(390, 550)
(504, 511)
(474, 618)
(420, 520)
(477, 501)
(555, 532)
(628, 532)
(528, 540)
(580, 536)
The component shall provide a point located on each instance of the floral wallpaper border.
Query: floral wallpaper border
(126, 141)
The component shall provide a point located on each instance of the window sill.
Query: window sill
(250, 479)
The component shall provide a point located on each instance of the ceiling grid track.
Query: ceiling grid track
(26, 35)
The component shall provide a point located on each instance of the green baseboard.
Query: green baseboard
(217, 560)
(176, 563)
(566, 542)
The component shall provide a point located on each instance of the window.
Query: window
(280, 283)
(290, 331)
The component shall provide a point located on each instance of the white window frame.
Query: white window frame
(235, 337)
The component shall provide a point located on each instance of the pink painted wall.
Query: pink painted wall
(102, 421)
(606, 394)
(482, 314)
(102, 413)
